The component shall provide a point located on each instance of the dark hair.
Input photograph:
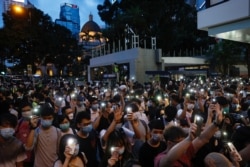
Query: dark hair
(170, 112)
(136, 100)
(46, 110)
(65, 108)
(25, 103)
(117, 138)
(82, 115)
(174, 132)
(62, 145)
(8, 118)
(156, 124)
(61, 118)
(133, 106)
(222, 100)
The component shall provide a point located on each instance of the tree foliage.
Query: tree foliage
(31, 37)
(172, 22)
(225, 54)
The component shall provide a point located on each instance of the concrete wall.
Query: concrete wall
(139, 59)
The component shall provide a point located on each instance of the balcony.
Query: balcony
(227, 20)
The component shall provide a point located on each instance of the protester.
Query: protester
(23, 130)
(44, 138)
(155, 145)
(12, 152)
(69, 154)
(87, 138)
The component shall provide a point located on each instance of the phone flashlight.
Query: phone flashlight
(72, 145)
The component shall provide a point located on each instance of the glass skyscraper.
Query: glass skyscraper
(69, 18)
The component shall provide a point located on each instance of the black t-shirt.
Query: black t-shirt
(89, 147)
(147, 153)
(104, 123)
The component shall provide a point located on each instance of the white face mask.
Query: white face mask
(120, 150)
(190, 106)
(26, 114)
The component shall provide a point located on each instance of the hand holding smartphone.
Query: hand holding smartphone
(198, 120)
(232, 148)
(72, 145)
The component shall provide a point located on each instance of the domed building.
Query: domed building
(91, 35)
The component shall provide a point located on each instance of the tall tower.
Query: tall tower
(69, 18)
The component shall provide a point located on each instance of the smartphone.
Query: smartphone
(71, 143)
(114, 107)
(214, 101)
(231, 148)
(129, 110)
(198, 120)
(113, 149)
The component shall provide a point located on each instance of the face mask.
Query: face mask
(120, 150)
(7, 133)
(87, 129)
(26, 114)
(156, 137)
(71, 116)
(46, 123)
(190, 106)
(64, 127)
(226, 110)
(149, 103)
(95, 107)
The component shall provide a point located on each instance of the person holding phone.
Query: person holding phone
(69, 154)
(117, 151)
(180, 150)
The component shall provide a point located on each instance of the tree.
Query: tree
(225, 54)
(172, 22)
(31, 37)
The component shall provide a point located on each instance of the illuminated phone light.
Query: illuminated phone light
(70, 141)
(224, 133)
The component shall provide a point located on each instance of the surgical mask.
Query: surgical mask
(7, 133)
(46, 123)
(149, 103)
(226, 110)
(156, 137)
(86, 129)
(120, 150)
(64, 127)
(95, 107)
(26, 114)
(190, 106)
(71, 116)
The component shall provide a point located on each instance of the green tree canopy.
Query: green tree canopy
(173, 23)
(31, 37)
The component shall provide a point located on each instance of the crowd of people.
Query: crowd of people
(186, 123)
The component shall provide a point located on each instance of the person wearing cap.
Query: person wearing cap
(44, 137)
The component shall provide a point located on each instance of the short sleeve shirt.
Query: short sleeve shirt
(183, 161)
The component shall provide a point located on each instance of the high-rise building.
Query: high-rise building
(7, 3)
(69, 18)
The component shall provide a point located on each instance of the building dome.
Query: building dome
(91, 35)
(90, 26)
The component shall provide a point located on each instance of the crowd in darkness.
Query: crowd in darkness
(186, 123)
